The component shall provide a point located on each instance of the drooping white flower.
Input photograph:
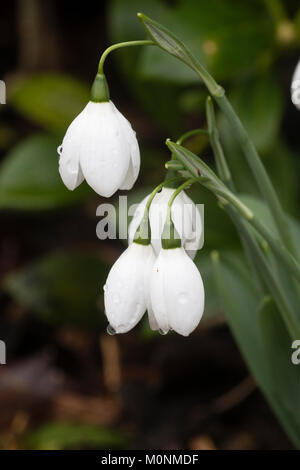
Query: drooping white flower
(185, 215)
(126, 292)
(176, 292)
(100, 146)
(295, 87)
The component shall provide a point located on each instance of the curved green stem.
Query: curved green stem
(189, 134)
(143, 232)
(215, 143)
(119, 46)
(180, 188)
(158, 188)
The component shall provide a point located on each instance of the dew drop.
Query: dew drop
(182, 298)
(60, 149)
(110, 330)
(162, 332)
(104, 287)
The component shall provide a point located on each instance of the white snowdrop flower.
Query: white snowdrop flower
(295, 87)
(185, 215)
(100, 146)
(176, 291)
(126, 292)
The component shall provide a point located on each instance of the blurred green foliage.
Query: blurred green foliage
(59, 436)
(29, 177)
(61, 288)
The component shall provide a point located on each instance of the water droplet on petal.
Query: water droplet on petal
(110, 330)
(162, 332)
(182, 298)
(60, 149)
(104, 287)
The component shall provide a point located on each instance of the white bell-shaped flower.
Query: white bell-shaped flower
(100, 146)
(176, 292)
(126, 292)
(185, 215)
(295, 86)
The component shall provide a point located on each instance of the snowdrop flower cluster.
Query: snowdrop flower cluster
(156, 272)
(168, 286)
(100, 146)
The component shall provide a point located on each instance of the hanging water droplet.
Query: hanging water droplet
(60, 149)
(162, 332)
(104, 287)
(110, 330)
(182, 298)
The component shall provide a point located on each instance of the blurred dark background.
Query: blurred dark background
(67, 384)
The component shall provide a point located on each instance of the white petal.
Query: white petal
(152, 320)
(69, 151)
(157, 294)
(195, 241)
(149, 266)
(180, 300)
(295, 87)
(135, 160)
(105, 151)
(136, 219)
(124, 293)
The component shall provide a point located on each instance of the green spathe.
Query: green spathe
(100, 90)
(170, 238)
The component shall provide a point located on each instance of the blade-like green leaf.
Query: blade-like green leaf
(258, 102)
(29, 177)
(283, 375)
(61, 288)
(242, 306)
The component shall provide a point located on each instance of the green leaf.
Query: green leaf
(260, 209)
(49, 100)
(29, 177)
(61, 288)
(283, 375)
(237, 38)
(259, 104)
(242, 306)
(59, 436)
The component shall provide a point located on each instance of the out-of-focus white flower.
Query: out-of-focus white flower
(185, 215)
(126, 292)
(100, 146)
(176, 292)
(295, 87)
